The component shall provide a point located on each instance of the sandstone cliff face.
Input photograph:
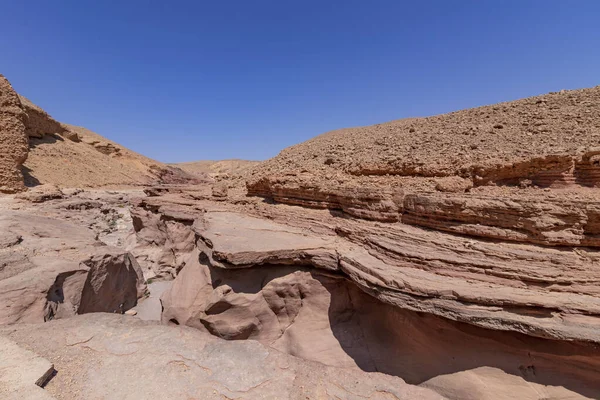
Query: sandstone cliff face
(13, 139)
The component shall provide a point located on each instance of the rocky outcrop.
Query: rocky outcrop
(164, 238)
(456, 172)
(555, 218)
(41, 194)
(13, 139)
(329, 298)
(219, 191)
(535, 218)
(54, 288)
(402, 274)
(360, 201)
(38, 122)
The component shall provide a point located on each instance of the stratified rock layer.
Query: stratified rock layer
(380, 296)
(523, 171)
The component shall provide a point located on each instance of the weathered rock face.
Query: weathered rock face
(219, 191)
(360, 201)
(42, 193)
(14, 148)
(51, 268)
(484, 285)
(132, 359)
(326, 288)
(453, 171)
(324, 318)
(567, 221)
(164, 238)
(114, 283)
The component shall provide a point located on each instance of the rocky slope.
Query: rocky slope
(547, 139)
(77, 157)
(66, 155)
(524, 171)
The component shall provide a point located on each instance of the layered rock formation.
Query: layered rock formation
(534, 138)
(343, 292)
(13, 138)
(386, 172)
(480, 225)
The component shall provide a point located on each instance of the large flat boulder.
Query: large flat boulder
(103, 356)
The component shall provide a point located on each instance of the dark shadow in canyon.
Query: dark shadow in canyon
(50, 138)
(30, 180)
(419, 346)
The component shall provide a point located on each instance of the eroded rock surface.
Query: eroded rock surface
(52, 268)
(110, 356)
(343, 292)
(13, 139)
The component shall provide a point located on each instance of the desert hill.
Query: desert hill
(71, 156)
(213, 168)
(537, 138)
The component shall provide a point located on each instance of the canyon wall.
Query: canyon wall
(13, 138)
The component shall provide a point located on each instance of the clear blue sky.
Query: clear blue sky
(189, 80)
